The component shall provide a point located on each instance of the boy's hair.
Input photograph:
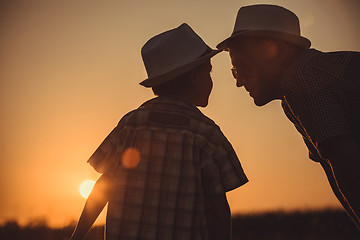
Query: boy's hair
(176, 85)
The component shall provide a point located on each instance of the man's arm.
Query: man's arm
(95, 203)
(219, 217)
(343, 153)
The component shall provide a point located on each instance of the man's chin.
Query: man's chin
(260, 102)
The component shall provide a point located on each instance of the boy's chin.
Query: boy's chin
(203, 104)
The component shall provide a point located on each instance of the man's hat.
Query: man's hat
(268, 21)
(173, 53)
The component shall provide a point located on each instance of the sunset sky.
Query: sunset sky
(69, 70)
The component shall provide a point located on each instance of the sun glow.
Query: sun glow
(86, 187)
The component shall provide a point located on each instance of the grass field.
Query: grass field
(305, 225)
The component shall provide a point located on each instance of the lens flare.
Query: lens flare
(86, 187)
(130, 158)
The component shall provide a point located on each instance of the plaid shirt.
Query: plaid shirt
(164, 158)
(322, 96)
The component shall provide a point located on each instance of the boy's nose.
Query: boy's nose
(239, 82)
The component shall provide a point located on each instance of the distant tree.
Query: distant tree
(300, 225)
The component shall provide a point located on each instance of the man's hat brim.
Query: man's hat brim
(295, 39)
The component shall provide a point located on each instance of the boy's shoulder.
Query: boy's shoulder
(169, 114)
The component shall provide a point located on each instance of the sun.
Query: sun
(86, 187)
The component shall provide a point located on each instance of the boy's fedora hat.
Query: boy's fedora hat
(173, 53)
(268, 21)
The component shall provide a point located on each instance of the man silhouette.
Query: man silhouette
(320, 92)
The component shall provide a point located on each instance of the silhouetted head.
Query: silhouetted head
(264, 42)
(259, 65)
(178, 63)
(194, 86)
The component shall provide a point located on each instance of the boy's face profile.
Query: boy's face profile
(203, 84)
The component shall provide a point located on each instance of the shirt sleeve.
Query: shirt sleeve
(222, 171)
(106, 154)
(313, 152)
(319, 107)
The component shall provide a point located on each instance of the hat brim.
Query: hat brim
(170, 75)
(295, 39)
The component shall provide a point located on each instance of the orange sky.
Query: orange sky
(69, 70)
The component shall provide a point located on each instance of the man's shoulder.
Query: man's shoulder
(315, 70)
(315, 61)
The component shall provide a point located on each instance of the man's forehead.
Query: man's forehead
(234, 57)
(235, 52)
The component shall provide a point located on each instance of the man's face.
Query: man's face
(257, 67)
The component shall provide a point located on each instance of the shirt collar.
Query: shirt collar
(300, 61)
(170, 100)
